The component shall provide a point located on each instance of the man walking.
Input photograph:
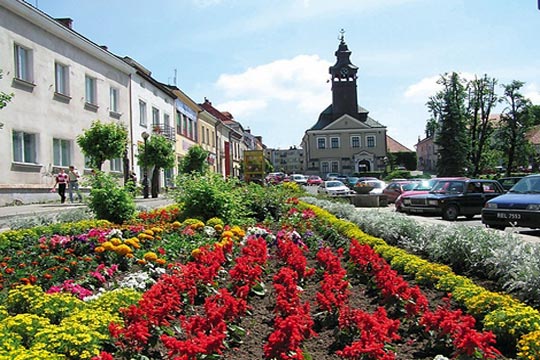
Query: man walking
(74, 183)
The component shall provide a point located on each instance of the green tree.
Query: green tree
(103, 141)
(481, 100)
(535, 111)
(4, 99)
(516, 120)
(448, 108)
(158, 154)
(195, 161)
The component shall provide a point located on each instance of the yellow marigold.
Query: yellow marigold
(133, 242)
(157, 229)
(141, 262)
(149, 232)
(218, 227)
(123, 250)
(176, 224)
(107, 245)
(161, 261)
(144, 236)
(115, 241)
(99, 249)
(150, 256)
(238, 231)
(227, 234)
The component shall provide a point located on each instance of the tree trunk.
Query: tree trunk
(155, 182)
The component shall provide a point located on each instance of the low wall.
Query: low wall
(369, 200)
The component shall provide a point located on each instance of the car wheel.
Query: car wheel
(450, 213)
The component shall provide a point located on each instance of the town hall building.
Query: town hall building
(344, 139)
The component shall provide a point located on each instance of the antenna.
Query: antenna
(174, 79)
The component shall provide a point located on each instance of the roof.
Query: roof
(325, 119)
(393, 146)
(533, 135)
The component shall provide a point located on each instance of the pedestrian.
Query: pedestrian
(62, 180)
(74, 183)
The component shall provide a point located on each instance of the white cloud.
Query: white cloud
(422, 90)
(239, 108)
(532, 92)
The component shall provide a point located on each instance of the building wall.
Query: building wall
(37, 109)
(207, 138)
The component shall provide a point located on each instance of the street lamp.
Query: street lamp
(145, 136)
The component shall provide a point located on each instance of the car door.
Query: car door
(473, 199)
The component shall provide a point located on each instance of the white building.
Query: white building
(61, 82)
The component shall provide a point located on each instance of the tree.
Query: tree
(535, 111)
(195, 161)
(102, 142)
(516, 120)
(4, 99)
(448, 108)
(159, 154)
(481, 99)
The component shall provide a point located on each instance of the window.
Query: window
(202, 135)
(213, 138)
(91, 91)
(321, 143)
(24, 147)
(325, 169)
(61, 152)
(114, 95)
(207, 136)
(334, 143)
(23, 64)
(61, 78)
(370, 141)
(116, 165)
(184, 125)
(178, 123)
(355, 142)
(190, 130)
(166, 120)
(155, 116)
(142, 113)
(335, 166)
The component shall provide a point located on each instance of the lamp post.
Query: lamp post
(145, 136)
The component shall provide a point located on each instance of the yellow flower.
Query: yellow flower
(123, 249)
(149, 232)
(150, 256)
(157, 230)
(99, 249)
(116, 241)
(161, 261)
(195, 252)
(176, 224)
(107, 245)
(134, 242)
(218, 227)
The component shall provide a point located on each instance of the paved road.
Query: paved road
(8, 213)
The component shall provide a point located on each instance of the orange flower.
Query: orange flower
(47, 276)
(99, 250)
(161, 261)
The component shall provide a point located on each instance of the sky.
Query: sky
(266, 62)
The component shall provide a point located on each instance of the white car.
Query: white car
(299, 179)
(378, 186)
(333, 188)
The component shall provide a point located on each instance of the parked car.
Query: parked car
(298, 178)
(353, 180)
(274, 177)
(396, 188)
(454, 198)
(378, 185)
(333, 188)
(331, 176)
(423, 187)
(314, 180)
(508, 182)
(520, 206)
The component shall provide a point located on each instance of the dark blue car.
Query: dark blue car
(520, 206)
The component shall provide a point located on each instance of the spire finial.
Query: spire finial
(342, 36)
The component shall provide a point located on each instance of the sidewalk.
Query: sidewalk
(10, 212)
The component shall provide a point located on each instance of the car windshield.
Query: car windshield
(375, 184)
(448, 187)
(334, 184)
(408, 187)
(424, 185)
(527, 186)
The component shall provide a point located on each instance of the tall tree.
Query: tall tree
(516, 120)
(448, 108)
(159, 154)
(196, 160)
(481, 99)
(103, 141)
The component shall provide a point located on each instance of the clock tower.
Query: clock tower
(343, 74)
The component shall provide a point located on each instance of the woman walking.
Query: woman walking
(62, 180)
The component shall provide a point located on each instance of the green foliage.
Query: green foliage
(109, 200)
(448, 107)
(103, 141)
(159, 152)
(209, 196)
(4, 98)
(266, 203)
(194, 161)
(405, 158)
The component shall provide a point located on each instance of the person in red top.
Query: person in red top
(62, 180)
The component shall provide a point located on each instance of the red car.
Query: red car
(396, 188)
(422, 187)
(314, 180)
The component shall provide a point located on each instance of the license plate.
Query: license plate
(509, 216)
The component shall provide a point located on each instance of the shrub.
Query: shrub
(109, 200)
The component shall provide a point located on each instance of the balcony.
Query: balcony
(165, 130)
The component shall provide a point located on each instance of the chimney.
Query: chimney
(67, 22)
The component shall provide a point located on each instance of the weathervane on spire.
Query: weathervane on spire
(342, 36)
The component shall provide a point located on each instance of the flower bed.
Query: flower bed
(289, 290)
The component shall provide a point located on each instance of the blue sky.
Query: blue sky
(267, 62)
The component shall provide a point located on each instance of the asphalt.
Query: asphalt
(8, 213)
